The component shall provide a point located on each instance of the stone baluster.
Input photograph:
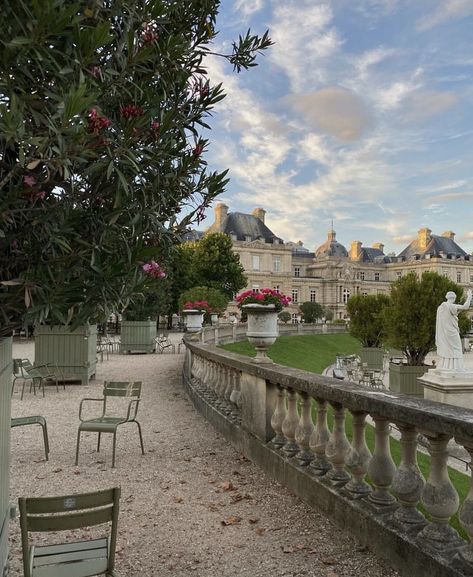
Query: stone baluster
(439, 496)
(304, 430)
(358, 458)
(319, 439)
(381, 468)
(196, 371)
(338, 446)
(408, 481)
(228, 389)
(277, 418)
(290, 423)
(208, 379)
(220, 384)
(466, 516)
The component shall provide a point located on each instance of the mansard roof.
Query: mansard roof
(437, 246)
(375, 255)
(245, 227)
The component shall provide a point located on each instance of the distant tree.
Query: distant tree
(464, 324)
(217, 300)
(216, 265)
(284, 317)
(311, 311)
(411, 315)
(327, 314)
(366, 318)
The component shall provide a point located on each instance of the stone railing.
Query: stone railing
(267, 412)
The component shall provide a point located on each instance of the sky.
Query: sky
(361, 113)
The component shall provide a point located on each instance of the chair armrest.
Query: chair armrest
(87, 399)
(135, 403)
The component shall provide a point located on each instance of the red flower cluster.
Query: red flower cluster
(153, 269)
(149, 34)
(265, 296)
(198, 150)
(97, 122)
(131, 111)
(200, 305)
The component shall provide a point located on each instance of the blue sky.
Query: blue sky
(361, 112)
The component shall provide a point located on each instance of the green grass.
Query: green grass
(314, 353)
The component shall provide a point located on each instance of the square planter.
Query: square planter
(75, 353)
(403, 379)
(5, 404)
(138, 337)
(373, 357)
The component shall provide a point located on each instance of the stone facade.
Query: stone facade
(331, 274)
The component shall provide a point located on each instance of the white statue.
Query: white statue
(447, 334)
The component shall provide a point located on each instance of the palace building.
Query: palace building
(333, 273)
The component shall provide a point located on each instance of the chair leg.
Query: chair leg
(98, 443)
(141, 438)
(23, 390)
(46, 440)
(114, 446)
(77, 447)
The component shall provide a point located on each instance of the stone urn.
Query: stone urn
(262, 329)
(193, 319)
(213, 319)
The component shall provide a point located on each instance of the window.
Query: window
(248, 238)
(445, 272)
(399, 274)
(459, 276)
(376, 276)
(276, 263)
(295, 295)
(255, 261)
(471, 276)
(297, 271)
(346, 295)
(276, 288)
(294, 318)
(365, 293)
(313, 296)
(360, 275)
(255, 288)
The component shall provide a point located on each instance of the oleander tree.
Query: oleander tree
(367, 318)
(103, 111)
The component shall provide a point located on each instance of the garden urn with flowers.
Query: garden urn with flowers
(262, 308)
(193, 313)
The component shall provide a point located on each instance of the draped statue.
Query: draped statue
(447, 334)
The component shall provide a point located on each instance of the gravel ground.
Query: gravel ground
(191, 505)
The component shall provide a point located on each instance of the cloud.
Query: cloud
(305, 41)
(403, 239)
(336, 111)
(371, 58)
(446, 10)
(373, 9)
(248, 7)
(451, 196)
(422, 105)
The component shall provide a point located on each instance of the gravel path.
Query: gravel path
(191, 505)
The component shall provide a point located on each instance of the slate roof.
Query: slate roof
(437, 245)
(331, 247)
(245, 226)
(192, 235)
(375, 255)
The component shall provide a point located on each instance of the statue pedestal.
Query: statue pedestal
(451, 387)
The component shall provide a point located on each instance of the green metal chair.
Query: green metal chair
(33, 420)
(37, 375)
(107, 423)
(66, 513)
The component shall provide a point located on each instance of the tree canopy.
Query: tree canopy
(366, 318)
(311, 311)
(103, 106)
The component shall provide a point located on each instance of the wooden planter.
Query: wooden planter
(5, 387)
(373, 357)
(403, 379)
(75, 353)
(138, 337)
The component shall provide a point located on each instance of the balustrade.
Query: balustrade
(355, 474)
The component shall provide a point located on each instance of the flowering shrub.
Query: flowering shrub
(265, 296)
(153, 269)
(200, 305)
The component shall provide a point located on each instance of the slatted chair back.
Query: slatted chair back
(66, 513)
(122, 389)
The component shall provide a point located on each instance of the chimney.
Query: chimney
(221, 212)
(378, 245)
(423, 237)
(355, 250)
(259, 213)
(449, 234)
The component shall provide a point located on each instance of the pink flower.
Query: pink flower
(41, 195)
(95, 71)
(198, 150)
(97, 122)
(131, 111)
(149, 34)
(153, 270)
(265, 296)
(29, 180)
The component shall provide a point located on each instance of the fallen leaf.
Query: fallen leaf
(287, 549)
(226, 486)
(259, 531)
(236, 497)
(328, 560)
(213, 507)
(57, 470)
(332, 574)
(177, 499)
(253, 521)
(76, 472)
(232, 520)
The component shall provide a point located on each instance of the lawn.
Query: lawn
(314, 353)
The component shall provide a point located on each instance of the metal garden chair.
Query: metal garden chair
(33, 420)
(66, 513)
(108, 423)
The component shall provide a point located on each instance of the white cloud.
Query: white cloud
(370, 58)
(446, 10)
(336, 111)
(248, 7)
(421, 105)
(391, 96)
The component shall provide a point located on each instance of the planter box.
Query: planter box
(373, 357)
(75, 353)
(5, 404)
(403, 379)
(138, 337)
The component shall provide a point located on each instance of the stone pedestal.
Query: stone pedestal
(451, 387)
